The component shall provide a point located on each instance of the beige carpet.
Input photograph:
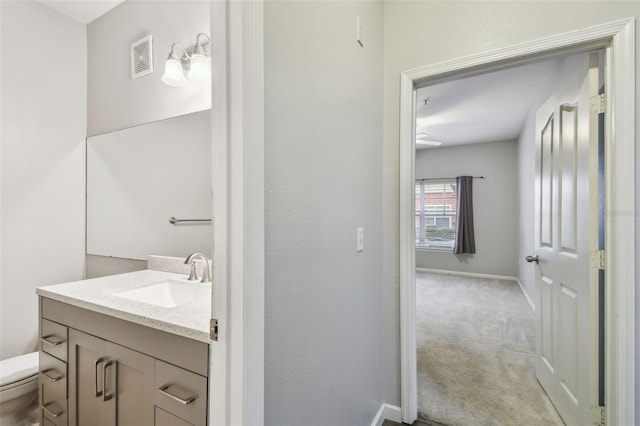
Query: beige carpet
(476, 347)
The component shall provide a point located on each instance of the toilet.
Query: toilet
(18, 388)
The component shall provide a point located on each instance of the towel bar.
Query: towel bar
(173, 220)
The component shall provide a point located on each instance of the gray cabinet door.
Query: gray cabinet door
(108, 384)
(131, 382)
(86, 367)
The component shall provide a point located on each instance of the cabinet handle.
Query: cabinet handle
(186, 401)
(51, 340)
(95, 377)
(108, 364)
(58, 411)
(52, 374)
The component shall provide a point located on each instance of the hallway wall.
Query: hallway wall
(419, 33)
(323, 157)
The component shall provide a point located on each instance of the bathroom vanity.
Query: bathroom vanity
(107, 358)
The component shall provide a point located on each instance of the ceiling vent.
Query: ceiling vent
(141, 57)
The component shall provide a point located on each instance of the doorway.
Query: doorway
(620, 256)
(475, 331)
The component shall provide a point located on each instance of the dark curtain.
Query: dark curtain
(465, 239)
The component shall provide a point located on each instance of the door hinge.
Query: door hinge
(597, 104)
(598, 259)
(602, 259)
(213, 329)
(597, 415)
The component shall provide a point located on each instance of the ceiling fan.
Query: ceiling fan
(424, 139)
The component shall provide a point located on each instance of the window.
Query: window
(436, 214)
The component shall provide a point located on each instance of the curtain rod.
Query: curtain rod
(449, 178)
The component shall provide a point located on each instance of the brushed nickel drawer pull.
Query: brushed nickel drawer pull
(52, 374)
(185, 401)
(95, 377)
(56, 413)
(51, 340)
(105, 396)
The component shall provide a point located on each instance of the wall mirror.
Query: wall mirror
(140, 177)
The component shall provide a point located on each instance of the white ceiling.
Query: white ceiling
(483, 108)
(83, 11)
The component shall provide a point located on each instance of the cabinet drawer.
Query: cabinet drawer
(53, 378)
(181, 393)
(53, 339)
(167, 419)
(47, 422)
(55, 413)
(53, 390)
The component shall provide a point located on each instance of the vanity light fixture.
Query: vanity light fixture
(201, 60)
(197, 65)
(173, 74)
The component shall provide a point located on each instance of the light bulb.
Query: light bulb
(173, 74)
(200, 68)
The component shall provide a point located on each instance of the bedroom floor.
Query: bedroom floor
(475, 351)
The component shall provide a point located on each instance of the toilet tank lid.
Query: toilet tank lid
(18, 368)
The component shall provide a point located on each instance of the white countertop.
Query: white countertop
(189, 320)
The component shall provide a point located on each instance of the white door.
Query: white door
(566, 199)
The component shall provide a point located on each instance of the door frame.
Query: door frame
(617, 38)
(236, 359)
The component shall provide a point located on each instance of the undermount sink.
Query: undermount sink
(168, 294)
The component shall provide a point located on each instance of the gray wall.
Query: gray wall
(323, 157)
(43, 120)
(457, 29)
(138, 178)
(526, 171)
(495, 205)
(115, 101)
(98, 267)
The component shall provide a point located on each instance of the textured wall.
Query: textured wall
(323, 115)
(115, 101)
(43, 121)
(419, 33)
(495, 205)
(526, 173)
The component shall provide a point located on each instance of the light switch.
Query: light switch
(360, 239)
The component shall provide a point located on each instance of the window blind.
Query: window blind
(435, 217)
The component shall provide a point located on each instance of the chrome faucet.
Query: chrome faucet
(190, 260)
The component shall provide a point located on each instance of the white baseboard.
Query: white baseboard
(387, 411)
(526, 296)
(488, 276)
(467, 274)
